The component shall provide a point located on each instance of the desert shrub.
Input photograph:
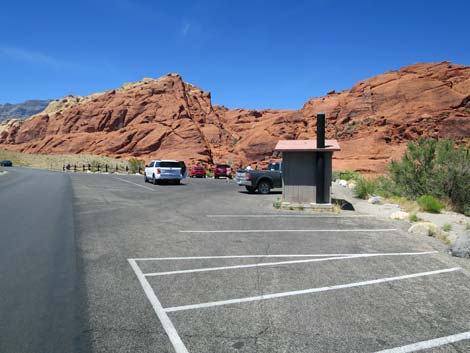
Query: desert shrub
(335, 175)
(413, 174)
(94, 164)
(365, 188)
(209, 174)
(436, 168)
(429, 204)
(447, 227)
(349, 175)
(414, 218)
(136, 164)
(453, 175)
(385, 187)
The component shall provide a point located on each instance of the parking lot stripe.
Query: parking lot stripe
(415, 347)
(168, 326)
(290, 230)
(207, 269)
(307, 291)
(276, 256)
(285, 216)
(130, 182)
(264, 264)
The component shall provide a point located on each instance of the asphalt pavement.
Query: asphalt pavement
(40, 305)
(204, 267)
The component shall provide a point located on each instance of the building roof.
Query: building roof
(306, 146)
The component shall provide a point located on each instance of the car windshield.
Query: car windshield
(170, 165)
(273, 166)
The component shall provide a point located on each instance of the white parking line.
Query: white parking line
(130, 182)
(415, 347)
(290, 230)
(284, 216)
(168, 326)
(207, 269)
(276, 256)
(264, 264)
(306, 291)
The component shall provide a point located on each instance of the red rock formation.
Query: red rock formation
(168, 118)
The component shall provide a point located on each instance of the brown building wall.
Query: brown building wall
(299, 176)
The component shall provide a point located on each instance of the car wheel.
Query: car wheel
(145, 178)
(250, 189)
(154, 180)
(216, 177)
(264, 187)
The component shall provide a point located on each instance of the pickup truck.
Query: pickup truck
(260, 180)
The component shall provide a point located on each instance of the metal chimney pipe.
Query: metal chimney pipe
(321, 130)
(320, 167)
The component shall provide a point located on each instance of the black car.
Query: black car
(6, 163)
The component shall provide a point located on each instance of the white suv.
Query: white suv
(168, 170)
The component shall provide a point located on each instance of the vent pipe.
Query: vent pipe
(320, 177)
(321, 130)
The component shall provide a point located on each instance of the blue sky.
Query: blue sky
(252, 54)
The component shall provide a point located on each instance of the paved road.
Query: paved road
(221, 292)
(39, 286)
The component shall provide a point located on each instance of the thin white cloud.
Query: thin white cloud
(34, 57)
(185, 29)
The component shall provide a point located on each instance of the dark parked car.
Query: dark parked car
(197, 172)
(261, 180)
(6, 163)
(220, 170)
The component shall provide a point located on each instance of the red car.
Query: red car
(197, 172)
(220, 170)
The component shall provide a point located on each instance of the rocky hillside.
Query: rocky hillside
(22, 110)
(169, 118)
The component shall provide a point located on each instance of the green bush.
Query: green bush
(447, 227)
(414, 217)
(436, 168)
(385, 187)
(335, 175)
(136, 164)
(365, 188)
(466, 210)
(349, 175)
(209, 174)
(429, 204)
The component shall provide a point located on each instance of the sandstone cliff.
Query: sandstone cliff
(168, 118)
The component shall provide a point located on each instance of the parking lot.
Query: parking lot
(203, 267)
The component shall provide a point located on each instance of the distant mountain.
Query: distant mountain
(22, 110)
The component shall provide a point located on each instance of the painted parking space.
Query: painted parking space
(165, 310)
